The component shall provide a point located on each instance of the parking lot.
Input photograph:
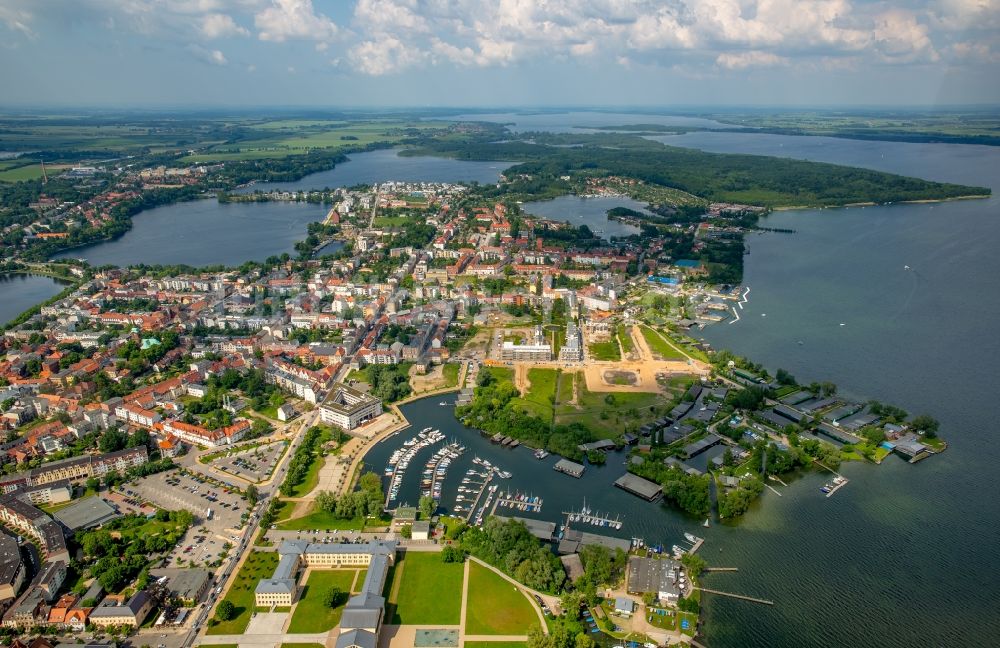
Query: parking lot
(254, 464)
(203, 542)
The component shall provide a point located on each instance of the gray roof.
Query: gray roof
(184, 583)
(362, 617)
(359, 638)
(638, 486)
(10, 558)
(286, 566)
(86, 513)
(275, 586)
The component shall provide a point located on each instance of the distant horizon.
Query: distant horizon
(637, 109)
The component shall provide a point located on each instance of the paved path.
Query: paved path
(269, 640)
(465, 602)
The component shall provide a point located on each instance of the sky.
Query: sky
(417, 53)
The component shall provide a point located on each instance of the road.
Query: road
(267, 491)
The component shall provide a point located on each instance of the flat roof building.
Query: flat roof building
(571, 468)
(636, 485)
(87, 513)
(348, 408)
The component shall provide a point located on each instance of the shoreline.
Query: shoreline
(916, 201)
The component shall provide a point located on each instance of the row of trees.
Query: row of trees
(367, 500)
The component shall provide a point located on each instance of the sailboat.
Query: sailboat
(706, 523)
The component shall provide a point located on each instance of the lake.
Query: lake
(902, 556)
(386, 164)
(589, 211)
(205, 232)
(19, 292)
(575, 121)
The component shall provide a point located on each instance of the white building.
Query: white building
(348, 408)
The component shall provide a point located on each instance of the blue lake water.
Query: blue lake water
(19, 292)
(205, 232)
(386, 164)
(589, 211)
(575, 121)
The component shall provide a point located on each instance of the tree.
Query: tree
(225, 611)
(252, 494)
(332, 596)
(926, 424)
(427, 507)
(112, 440)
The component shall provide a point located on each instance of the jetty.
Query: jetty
(520, 502)
(741, 597)
(721, 569)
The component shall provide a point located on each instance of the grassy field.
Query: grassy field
(625, 336)
(450, 372)
(29, 172)
(541, 392)
(495, 606)
(608, 414)
(430, 591)
(311, 614)
(605, 350)
(259, 564)
(360, 581)
(320, 520)
(659, 346)
(295, 137)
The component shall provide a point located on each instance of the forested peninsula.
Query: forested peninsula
(750, 179)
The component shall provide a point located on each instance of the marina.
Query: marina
(587, 516)
(400, 460)
(519, 502)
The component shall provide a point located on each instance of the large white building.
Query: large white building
(348, 408)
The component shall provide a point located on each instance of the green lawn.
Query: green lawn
(259, 564)
(541, 391)
(659, 346)
(361, 579)
(625, 336)
(608, 419)
(605, 350)
(311, 615)
(450, 372)
(319, 520)
(312, 476)
(495, 606)
(430, 591)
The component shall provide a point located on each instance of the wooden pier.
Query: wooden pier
(742, 597)
(721, 569)
(475, 503)
(697, 545)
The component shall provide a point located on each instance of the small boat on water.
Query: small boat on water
(443, 404)
(690, 537)
(826, 488)
(706, 523)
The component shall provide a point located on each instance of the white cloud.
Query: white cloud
(900, 38)
(743, 60)
(383, 56)
(211, 56)
(293, 20)
(217, 25)
(17, 19)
